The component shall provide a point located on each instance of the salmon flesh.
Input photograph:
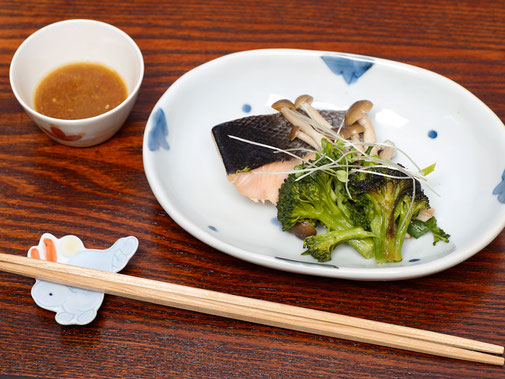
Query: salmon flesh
(259, 181)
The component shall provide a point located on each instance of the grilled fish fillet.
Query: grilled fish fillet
(260, 181)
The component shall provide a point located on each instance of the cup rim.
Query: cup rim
(53, 120)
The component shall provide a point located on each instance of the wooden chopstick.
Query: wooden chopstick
(256, 311)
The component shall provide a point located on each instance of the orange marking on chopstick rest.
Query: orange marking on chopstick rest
(34, 253)
(50, 250)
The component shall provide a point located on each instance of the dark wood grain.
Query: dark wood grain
(101, 193)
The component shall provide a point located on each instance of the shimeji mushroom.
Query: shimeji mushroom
(353, 133)
(305, 102)
(296, 132)
(303, 229)
(357, 112)
(425, 214)
(387, 151)
(301, 129)
(356, 124)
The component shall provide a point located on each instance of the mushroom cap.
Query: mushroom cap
(356, 111)
(343, 132)
(349, 131)
(294, 131)
(356, 128)
(303, 229)
(283, 103)
(303, 99)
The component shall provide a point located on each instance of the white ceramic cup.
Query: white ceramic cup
(73, 41)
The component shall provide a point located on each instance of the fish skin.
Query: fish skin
(272, 130)
(261, 182)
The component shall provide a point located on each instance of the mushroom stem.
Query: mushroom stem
(369, 133)
(356, 138)
(357, 113)
(387, 152)
(425, 214)
(305, 102)
(287, 108)
(296, 132)
(353, 132)
(294, 117)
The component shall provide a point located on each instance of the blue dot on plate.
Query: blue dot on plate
(432, 134)
(246, 108)
(213, 228)
(414, 260)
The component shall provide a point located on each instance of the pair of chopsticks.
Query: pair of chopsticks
(256, 311)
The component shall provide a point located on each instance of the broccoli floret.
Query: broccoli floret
(370, 211)
(387, 205)
(321, 245)
(360, 211)
(317, 198)
(308, 199)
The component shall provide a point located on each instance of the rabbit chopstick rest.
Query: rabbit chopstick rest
(75, 305)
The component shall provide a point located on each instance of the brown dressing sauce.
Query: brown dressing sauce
(79, 90)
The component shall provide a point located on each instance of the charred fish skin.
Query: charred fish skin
(272, 130)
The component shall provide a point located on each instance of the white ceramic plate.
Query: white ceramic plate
(425, 114)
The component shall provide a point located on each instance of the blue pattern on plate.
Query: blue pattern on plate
(159, 132)
(246, 108)
(275, 221)
(500, 189)
(349, 68)
(432, 134)
(213, 228)
(307, 263)
(414, 260)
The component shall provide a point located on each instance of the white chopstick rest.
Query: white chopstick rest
(76, 306)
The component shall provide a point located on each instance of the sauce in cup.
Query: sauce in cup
(79, 90)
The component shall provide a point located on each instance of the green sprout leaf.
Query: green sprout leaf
(429, 169)
(342, 176)
(245, 169)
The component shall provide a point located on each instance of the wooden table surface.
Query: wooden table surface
(101, 193)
